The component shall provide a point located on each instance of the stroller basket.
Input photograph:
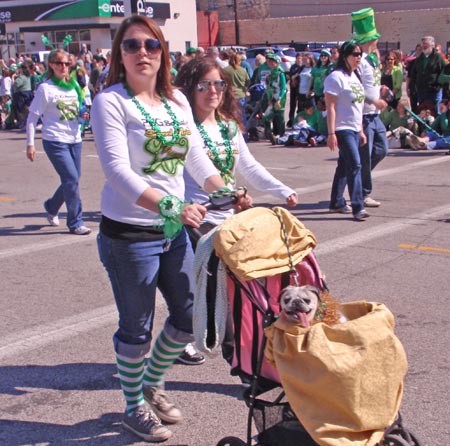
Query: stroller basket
(277, 424)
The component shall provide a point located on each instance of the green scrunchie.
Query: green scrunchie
(170, 208)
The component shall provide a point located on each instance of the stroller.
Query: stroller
(254, 109)
(254, 305)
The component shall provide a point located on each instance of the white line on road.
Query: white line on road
(62, 329)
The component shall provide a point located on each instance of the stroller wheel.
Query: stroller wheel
(231, 441)
(399, 440)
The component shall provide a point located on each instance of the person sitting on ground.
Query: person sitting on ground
(308, 127)
(399, 124)
(439, 136)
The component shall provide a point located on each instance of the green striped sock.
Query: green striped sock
(131, 371)
(164, 353)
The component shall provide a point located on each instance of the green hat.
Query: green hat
(274, 57)
(191, 50)
(363, 22)
(326, 52)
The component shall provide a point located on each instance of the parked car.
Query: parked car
(287, 55)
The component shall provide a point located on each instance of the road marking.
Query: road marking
(363, 236)
(376, 174)
(424, 248)
(57, 331)
(7, 199)
(64, 240)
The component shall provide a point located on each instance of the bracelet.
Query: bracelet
(170, 208)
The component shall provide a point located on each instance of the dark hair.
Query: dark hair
(116, 71)
(189, 76)
(345, 51)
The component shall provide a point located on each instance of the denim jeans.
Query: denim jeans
(66, 159)
(374, 151)
(135, 270)
(348, 171)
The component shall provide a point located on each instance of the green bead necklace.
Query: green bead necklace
(224, 165)
(152, 122)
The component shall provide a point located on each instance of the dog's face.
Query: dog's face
(299, 304)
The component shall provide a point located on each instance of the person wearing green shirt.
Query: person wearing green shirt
(276, 97)
(318, 74)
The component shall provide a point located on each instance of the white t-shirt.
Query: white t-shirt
(59, 109)
(371, 80)
(252, 172)
(350, 93)
(5, 86)
(133, 159)
(305, 76)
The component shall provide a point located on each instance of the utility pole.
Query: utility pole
(236, 22)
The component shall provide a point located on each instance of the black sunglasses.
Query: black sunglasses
(60, 63)
(132, 46)
(356, 54)
(220, 85)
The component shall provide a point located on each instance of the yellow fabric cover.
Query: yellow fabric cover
(251, 244)
(344, 382)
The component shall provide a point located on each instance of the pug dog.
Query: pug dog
(299, 304)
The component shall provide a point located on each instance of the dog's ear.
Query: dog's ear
(314, 290)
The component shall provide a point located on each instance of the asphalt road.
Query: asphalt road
(57, 374)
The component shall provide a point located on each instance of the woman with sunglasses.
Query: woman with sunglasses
(344, 97)
(318, 74)
(219, 123)
(57, 101)
(143, 133)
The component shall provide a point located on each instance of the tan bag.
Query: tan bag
(344, 382)
(251, 243)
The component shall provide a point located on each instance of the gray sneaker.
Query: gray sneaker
(160, 403)
(145, 424)
(346, 209)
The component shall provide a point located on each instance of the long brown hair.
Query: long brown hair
(52, 58)
(116, 71)
(190, 75)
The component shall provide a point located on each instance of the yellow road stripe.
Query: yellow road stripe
(6, 199)
(424, 248)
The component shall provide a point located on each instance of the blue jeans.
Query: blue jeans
(435, 97)
(66, 159)
(135, 270)
(372, 152)
(348, 171)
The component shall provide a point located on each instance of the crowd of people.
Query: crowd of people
(169, 132)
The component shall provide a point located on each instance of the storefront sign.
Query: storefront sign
(74, 9)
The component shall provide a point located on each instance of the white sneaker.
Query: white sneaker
(81, 230)
(53, 219)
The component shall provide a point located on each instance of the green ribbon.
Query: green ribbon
(170, 208)
(373, 59)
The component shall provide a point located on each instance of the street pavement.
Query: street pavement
(57, 375)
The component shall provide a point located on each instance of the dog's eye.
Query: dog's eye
(287, 300)
(307, 301)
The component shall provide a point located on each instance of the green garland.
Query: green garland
(69, 85)
(152, 122)
(225, 165)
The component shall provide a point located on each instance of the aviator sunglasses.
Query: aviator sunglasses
(220, 85)
(132, 46)
(356, 54)
(60, 63)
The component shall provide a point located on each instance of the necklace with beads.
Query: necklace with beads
(224, 165)
(152, 122)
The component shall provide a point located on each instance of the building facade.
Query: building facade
(285, 21)
(90, 22)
